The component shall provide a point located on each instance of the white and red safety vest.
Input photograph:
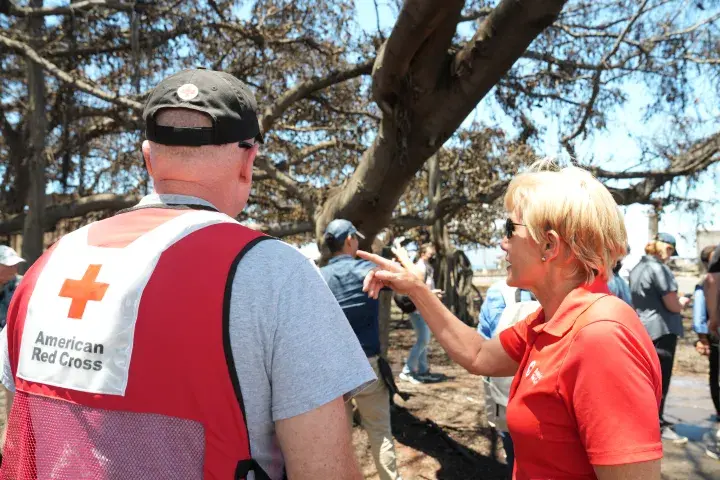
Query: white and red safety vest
(119, 345)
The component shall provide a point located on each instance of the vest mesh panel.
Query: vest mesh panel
(54, 439)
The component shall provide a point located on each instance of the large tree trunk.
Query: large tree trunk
(440, 237)
(453, 272)
(425, 92)
(33, 231)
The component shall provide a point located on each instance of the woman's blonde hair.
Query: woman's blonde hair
(578, 207)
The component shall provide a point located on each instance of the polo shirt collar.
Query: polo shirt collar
(576, 302)
(337, 258)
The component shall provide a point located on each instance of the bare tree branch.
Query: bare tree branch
(147, 43)
(304, 89)
(63, 76)
(480, 13)
(292, 186)
(598, 75)
(698, 158)
(73, 8)
(447, 207)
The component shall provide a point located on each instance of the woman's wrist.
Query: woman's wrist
(418, 289)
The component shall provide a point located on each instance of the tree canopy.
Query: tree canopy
(351, 115)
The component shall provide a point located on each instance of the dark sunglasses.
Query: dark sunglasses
(510, 227)
(247, 145)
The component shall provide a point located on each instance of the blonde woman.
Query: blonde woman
(586, 389)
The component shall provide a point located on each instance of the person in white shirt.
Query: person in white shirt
(417, 369)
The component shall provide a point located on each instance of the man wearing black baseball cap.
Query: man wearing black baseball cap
(220, 349)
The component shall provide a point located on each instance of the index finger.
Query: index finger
(380, 261)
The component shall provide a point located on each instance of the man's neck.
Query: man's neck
(189, 189)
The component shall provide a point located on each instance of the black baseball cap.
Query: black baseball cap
(226, 100)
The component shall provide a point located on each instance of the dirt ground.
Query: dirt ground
(441, 431)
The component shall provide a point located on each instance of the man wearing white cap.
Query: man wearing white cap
(9, 279)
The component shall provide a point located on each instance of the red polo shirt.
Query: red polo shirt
(587, 390)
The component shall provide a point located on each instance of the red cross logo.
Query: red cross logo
(83, 291)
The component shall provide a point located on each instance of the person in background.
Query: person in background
(417, 369)
(584, 400)
(707, 343)
(345, 274)
(711, 286)
(9, 279)
(503, 307)
(618, 286)
(711, 289)
(655, 297)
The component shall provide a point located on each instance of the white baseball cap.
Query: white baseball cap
(9, 257)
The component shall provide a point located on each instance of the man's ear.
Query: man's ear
(246, 168)
(146, 156)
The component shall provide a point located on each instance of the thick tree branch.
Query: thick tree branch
(306, 88)
(480, 13)
(65, 77)
(417, 21)
(430, 63)
(76, 208)
(280, 230)
(500, 40)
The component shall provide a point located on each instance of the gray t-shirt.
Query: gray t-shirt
(294, 349)
(651, 280)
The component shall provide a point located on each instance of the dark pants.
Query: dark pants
(509, 451)
(665, 348)
(715, 376)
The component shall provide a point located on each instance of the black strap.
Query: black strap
(169, 206)
(191, 136)
(250, 465)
